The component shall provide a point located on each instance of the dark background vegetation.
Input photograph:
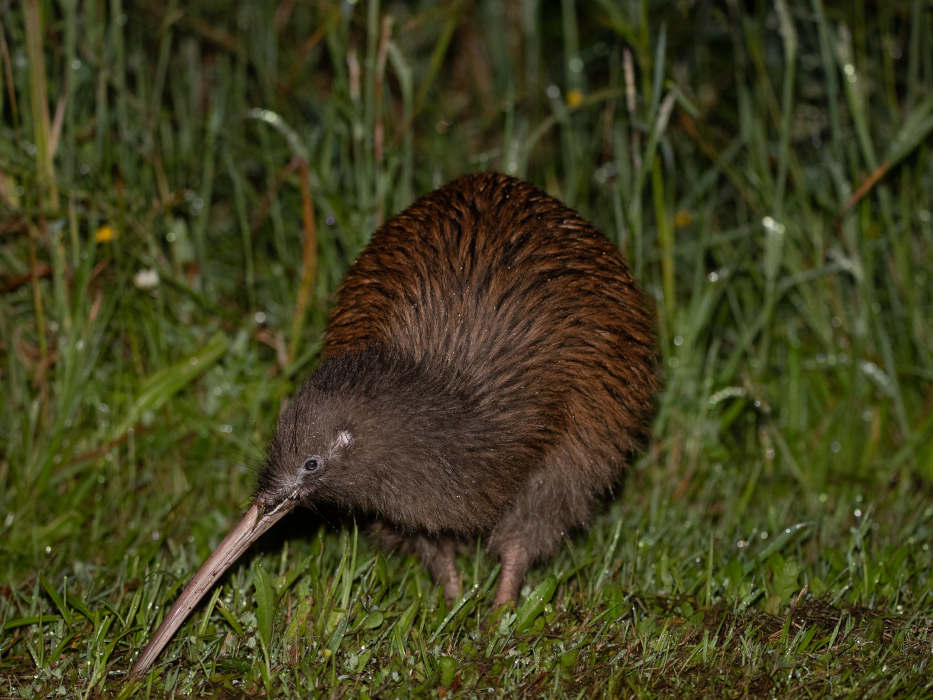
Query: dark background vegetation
(183, 186)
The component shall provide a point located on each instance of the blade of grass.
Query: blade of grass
(165, 383)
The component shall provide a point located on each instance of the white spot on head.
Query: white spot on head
(344, 440)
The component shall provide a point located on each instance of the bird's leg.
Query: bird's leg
(553, 500)
(439, 557)
(515, 561)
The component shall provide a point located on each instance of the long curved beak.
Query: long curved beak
(244, 533)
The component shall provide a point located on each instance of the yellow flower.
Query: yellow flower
(105, 234)
(574, 98)
(682, 219)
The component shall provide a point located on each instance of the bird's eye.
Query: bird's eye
(312, 464)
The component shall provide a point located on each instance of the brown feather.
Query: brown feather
(494, 365)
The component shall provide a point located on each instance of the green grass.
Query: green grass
(768, 175)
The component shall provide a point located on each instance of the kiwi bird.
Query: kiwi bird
(487, 371)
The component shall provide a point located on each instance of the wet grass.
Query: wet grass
(181, 190)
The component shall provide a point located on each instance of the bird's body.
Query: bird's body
(487, 370)
(492, 363)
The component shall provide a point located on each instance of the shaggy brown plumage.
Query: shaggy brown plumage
(489, 366)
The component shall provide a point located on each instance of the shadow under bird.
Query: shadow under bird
(488, 369)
